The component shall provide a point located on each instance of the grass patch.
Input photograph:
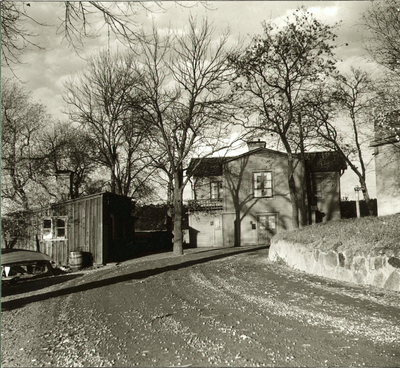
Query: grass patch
(364, 234)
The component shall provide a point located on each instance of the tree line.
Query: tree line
(137, 117)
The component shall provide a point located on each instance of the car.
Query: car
(21, 261)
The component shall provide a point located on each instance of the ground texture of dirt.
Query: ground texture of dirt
(225, 307)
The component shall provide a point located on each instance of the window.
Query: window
(267, 222)
(60, 228)
(54, 228)
(47, 226)
(318, 186)
(262, 184)
(215, 192)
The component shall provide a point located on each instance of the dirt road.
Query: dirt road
(226, 307)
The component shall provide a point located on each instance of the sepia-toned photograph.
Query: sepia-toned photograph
(200, 183)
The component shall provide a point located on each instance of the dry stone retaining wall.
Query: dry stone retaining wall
(379, 267)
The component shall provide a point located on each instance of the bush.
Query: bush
(362, 234)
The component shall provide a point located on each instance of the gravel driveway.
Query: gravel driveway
(210, 307)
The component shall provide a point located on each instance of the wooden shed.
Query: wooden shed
(100, 224)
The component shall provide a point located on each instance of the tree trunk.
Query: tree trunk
(304, 210)
(367, 199)
(293, 192)
(237, 226)
(178, 209)
(113, 181)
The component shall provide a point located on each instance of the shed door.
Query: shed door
(266, 227)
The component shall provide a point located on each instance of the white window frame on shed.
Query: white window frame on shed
(47, 231)
(53, 232)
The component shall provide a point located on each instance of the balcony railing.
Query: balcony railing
(205, 204)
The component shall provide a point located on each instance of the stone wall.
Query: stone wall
(378, 268)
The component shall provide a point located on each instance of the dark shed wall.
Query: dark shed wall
(118, 227)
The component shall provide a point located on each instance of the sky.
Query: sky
(44, 71)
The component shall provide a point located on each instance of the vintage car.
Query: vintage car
(21, 261)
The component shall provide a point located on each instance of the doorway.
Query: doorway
(267, 224)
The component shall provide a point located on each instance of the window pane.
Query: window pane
(46, 233)
(271, 223)
(215, 190)
(60, 232)
(262, 220)
(257, 181)
(46, 224)
(46, 230)
(60, 223)
(267, 192)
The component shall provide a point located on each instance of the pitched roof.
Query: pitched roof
(316, 161)
(257, 150)
(325, 161)
(206, 166)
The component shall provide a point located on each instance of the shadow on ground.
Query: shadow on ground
(175, 263)
(14, 287)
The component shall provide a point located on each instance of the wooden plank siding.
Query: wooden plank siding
(88, 228)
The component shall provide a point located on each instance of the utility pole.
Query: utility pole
(357, 190)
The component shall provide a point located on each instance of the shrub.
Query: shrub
(362, 234)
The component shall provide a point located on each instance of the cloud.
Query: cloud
(324, 13)
(47, 69)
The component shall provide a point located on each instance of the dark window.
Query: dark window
(47, 229)
(60, 228)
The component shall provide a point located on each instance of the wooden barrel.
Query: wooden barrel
(76, 260)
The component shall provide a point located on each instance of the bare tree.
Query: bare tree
(275, 75)
(385, 112)
(185, 80)
(15, 37)
(102, 100)
(382, 20)
(68, 148)
(22, 121)
(351, 96)
(78, 21)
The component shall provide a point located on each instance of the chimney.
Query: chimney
(64, 185)
(252, 145)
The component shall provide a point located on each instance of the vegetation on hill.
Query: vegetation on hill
(364, 234)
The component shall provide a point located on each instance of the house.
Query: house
(386, 146)
(99, 224)
(245, 199)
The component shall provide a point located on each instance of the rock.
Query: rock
(394, 262)
(393, 281)
(331, 259)
(342, 259)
